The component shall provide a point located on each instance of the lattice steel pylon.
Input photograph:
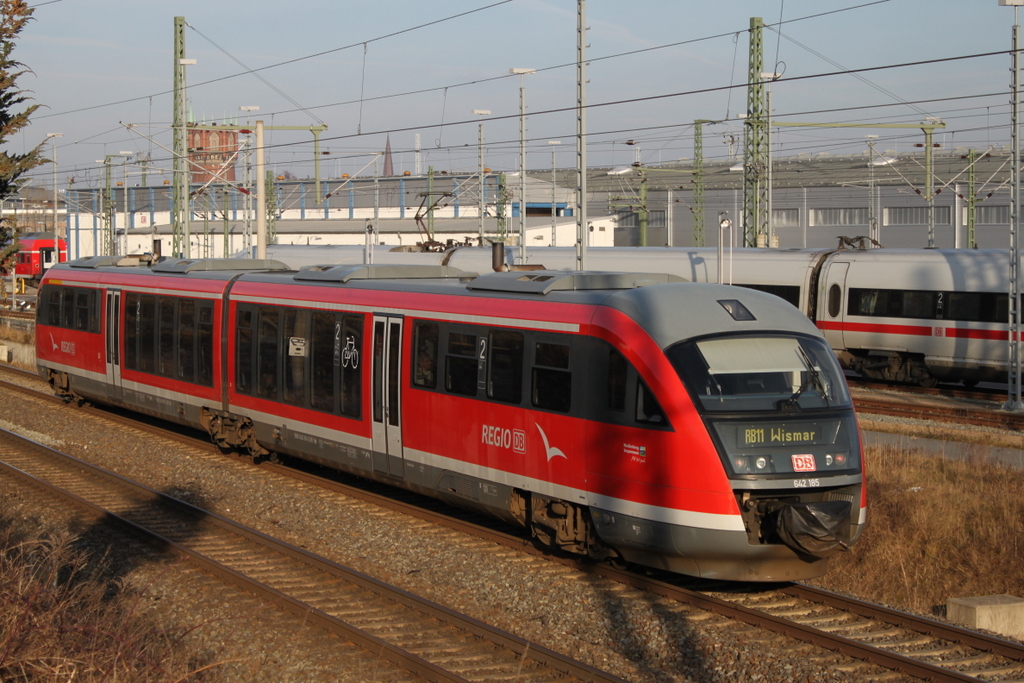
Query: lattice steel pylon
(755, 143)
(180, 174)
(698, 181)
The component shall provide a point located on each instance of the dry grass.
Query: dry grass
(937, 529)
(8, 333)
(59, 621)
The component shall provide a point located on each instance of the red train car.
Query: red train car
(38, 252)
(697, 428)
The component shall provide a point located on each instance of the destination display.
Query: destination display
(794, 447)
(781, 436)
(798, 433)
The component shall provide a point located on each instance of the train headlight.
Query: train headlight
(835, 459)
(761, 463)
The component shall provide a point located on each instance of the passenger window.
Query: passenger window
(505, 369)
(82, 309)
(835, 300)
(268, 351)
(460, 364)
(67, 317)
(132, 303)
(425, 344)
(166, 354)
(617, 368)
(552, 381)
(295, 358)
(147, 334)
(351, 374)
(243, 352)
(647, 409)
(204, 344)
(187, 340)
(325, 356)
(919, 305)
(52, 299)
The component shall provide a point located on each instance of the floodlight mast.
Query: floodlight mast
(521, 72)
(53, 153)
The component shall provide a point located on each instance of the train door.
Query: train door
(832, 304)
(387, 395)
(113, 337)
(47, 258)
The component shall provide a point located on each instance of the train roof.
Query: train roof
(665, 305)
(30, 237)
(934, 269)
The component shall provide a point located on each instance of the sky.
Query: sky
(102, 71)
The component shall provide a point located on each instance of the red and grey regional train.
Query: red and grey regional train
(38, 251)
(697, 428)
(913, 316)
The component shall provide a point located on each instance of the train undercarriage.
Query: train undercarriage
(891, 366)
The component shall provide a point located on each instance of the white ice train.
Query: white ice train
(915, 316)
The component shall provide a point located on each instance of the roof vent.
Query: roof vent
(104, 261)
(346, 273)
(545, 281)
(217, 264)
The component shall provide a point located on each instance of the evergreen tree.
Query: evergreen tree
(14, 15)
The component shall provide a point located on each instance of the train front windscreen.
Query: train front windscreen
(778, 404)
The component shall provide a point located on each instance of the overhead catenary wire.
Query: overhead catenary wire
(254, 73)
(600, 58)
(683, 93)
(649, 98)
(510, 143)
(393, 34)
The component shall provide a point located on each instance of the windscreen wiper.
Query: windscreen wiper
(791, 404)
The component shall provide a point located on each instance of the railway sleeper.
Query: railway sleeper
(232, 432)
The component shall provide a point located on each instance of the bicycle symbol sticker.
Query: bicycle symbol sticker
(350, 354)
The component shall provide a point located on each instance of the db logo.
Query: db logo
(519, 441)
(804, 462)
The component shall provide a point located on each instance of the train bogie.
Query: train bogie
(697, 428)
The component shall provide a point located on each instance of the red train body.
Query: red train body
(38, 252)
(697, 428)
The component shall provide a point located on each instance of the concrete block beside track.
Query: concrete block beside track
(1003, 614)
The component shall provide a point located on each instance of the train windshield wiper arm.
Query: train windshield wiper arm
(813, 377)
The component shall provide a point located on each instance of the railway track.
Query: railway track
(992, 396)
(905, 643)
(427, 639)
(898, 406)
